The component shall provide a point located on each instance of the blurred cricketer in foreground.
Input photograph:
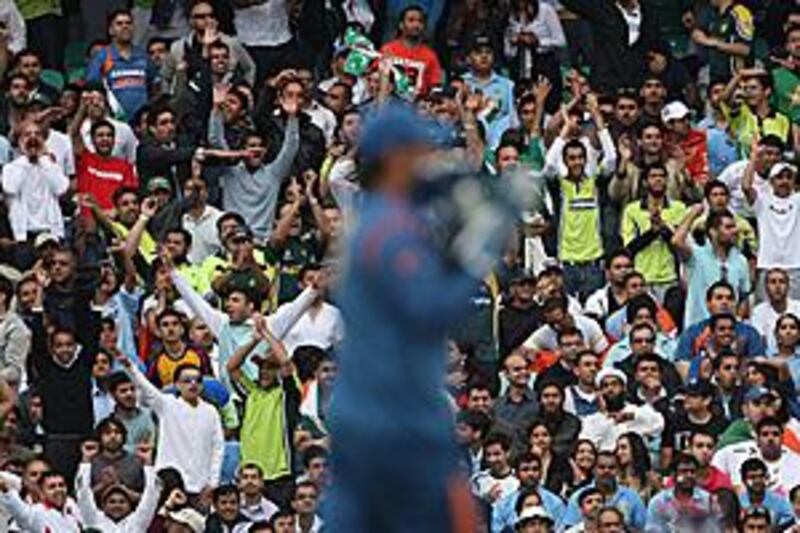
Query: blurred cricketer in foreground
(403, 286)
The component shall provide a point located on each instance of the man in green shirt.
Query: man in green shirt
(728, 39)
(271, 409)
(786, 79)
(580, 242)
(647, 227)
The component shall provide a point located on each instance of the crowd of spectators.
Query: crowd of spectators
(176, 203)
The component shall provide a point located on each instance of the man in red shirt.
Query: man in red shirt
(693, 143)
(408, 52)
(99, 173)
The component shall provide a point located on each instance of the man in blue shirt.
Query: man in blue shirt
(685, 503)
(498, 112)
(605, 479)
(720, 299)
(756, 494)
(123, 68)
(389, 417)
(529, 473)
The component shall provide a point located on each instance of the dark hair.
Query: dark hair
(157, 111)
(633, 274)
(647, 169)
(313, 452)
(50, 474)
(527, 457)
(280, 513)
(768, 421)
(796, 489)
(230, 215)
(570, 331)
(682, 458)
(640, 456)
(753, 464)
(773, 141)
(307, 359)
(640, 301)
(497, 438)
(477, 420)
(181, 231)
(719, 284)
(176, 375)
(648, 357)
(522, 495)
(116, 380)
(169, 311)
(6, 289)
(225, 490)
(103, 123)
(616, 254)
(157, 40)
(712, 185)
(587, 492)
(715, 218)
(614, 510)
(117, 13)
(220, 45)
(787, 316)
(639, 327)
(108, 422)
(571, 145)
(705, 433)
(720, 317)
(122, 191)
(584, 353)
(413, 7)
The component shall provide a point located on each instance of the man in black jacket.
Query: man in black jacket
(271, 125)
(623, 31)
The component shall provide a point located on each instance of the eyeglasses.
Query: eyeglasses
(201, 16)
(646, 340)
(191, 379)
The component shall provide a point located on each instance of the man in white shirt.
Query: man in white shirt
(321, 325)
(200, 220)
(777, 211)
(782, 463)
(778, 303)
(51, 514)
(190, 430)
(498, 480)
(616, 416)
(32, 185)
(769, 152)
(125, 141)
(119, 513)
(556, 318)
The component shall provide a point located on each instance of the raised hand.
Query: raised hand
(149, 207)
(89, 450)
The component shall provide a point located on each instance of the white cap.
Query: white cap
(610, 372)
(777, 168)
(44, 238)
(189, 517)
(529, 513)
(674, 111)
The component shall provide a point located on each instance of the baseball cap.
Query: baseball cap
(189, 517)
(699, 388)
(479, 40)
(537, 512)
(522, 274)
(241, 232)
(395, 126)
(756, 393)
(158, 184)
(611, 373)
(674, 111)
(778, 168)
(45, 238)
